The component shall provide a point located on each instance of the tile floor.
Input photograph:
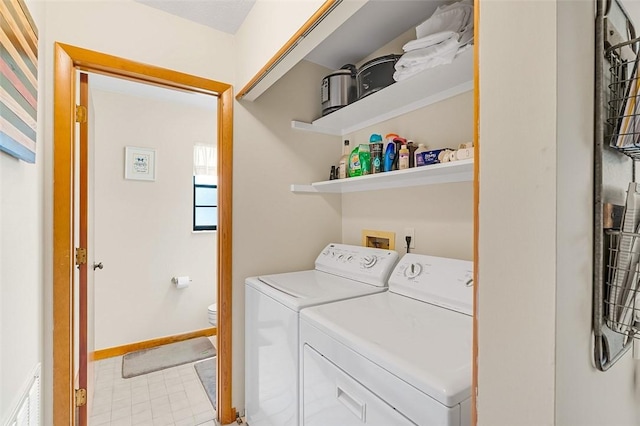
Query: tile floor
(173, 396)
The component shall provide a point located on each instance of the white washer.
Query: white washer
(402, 357)
(272, 305)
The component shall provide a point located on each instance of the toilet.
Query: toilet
(213, 314)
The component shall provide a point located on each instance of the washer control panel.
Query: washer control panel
(365, 264)
(437, 280)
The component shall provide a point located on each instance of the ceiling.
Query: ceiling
(222, 15)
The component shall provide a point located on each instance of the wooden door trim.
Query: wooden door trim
(476, 206)
(67, 60)
(83, 160)
(63, 374)
(286, 48)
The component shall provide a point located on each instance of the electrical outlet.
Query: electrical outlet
(411, 233)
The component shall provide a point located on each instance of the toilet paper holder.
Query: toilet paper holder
(181, 282)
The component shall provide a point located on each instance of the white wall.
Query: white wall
(21, 254)
(543, 114)
(267, 27)
(133, 31)
(441, 215)
(143, 230)
(518, 223)
(584, 395)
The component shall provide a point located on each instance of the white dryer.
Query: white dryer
(402, 357)
(272, 305)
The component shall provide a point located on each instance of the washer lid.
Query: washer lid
(297, 290)
(424, 345)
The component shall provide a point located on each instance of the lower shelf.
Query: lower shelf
(457, 171)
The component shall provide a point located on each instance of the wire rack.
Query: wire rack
(623, 103)
(622, 315)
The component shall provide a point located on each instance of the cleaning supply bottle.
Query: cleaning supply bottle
(377, 159)
(365, 158)
(419, 158)
(403, 162)
(343, 165)
(354, 163)
(398, 142)
(389, 157)
(412, 149)
(390, 152)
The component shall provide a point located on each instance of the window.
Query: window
(205, 188)
(205, 203)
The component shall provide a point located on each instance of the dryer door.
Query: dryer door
(331, 397)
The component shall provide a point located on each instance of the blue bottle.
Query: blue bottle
(389, 157)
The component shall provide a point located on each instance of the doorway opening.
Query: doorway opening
(69, 60)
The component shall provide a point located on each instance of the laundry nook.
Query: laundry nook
(319, 213)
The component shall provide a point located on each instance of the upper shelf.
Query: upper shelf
(347, 32)
(457, 171)
(428, 87)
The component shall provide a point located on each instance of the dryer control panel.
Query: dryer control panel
(437, 280)
(365, 264)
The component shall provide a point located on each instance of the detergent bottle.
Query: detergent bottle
(377, 159)
(365, 158)
(355, 168)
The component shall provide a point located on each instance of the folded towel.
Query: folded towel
(411, 70)
(429, 40)
(405, 73)
(455, 17)
(445, 49)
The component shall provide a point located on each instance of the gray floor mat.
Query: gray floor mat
(165, 356)
(206, 371)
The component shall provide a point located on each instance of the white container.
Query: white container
(418, 160)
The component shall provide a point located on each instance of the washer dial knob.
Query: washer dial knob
(368, 261)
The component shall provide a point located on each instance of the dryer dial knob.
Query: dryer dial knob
(413, 270)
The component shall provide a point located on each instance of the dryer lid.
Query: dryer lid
(427, 346)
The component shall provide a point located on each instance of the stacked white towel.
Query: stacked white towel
(447, 33)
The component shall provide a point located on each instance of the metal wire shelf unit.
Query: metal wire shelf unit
(622, 315)
(623, 98)
(615, 62)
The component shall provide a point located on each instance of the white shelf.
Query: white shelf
(457, 171)
(428, 87)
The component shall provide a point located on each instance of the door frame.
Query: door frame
(67, 60)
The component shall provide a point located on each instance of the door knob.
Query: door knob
(97, 266)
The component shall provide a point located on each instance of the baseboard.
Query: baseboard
(131, 347)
